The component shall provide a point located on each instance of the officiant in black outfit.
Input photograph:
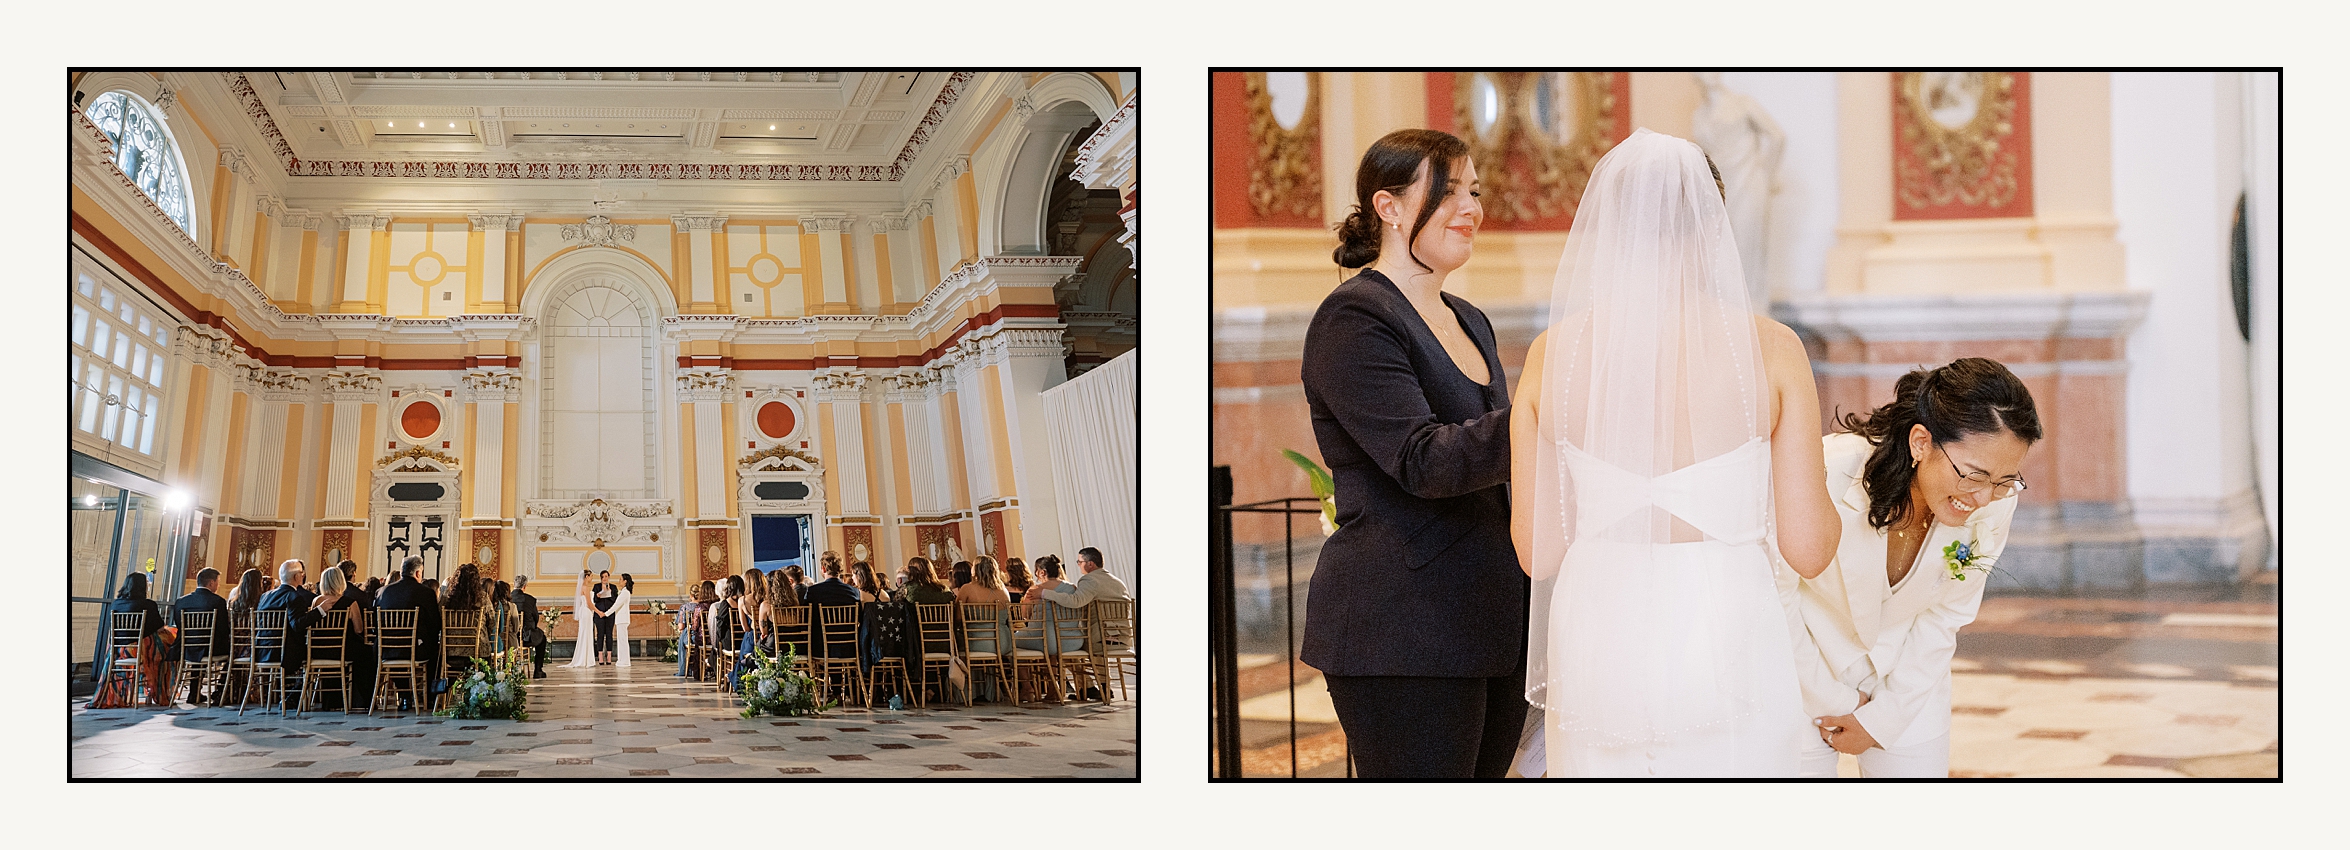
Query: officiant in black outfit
(1417, 612)
(605, 593)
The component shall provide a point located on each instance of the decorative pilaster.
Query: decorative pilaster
(490, 395)
(828, 228)
(366, 235)
(493, 228)
(841, 393)
(700, 231)
(350, 394)
(703, 392)
(1028, 360)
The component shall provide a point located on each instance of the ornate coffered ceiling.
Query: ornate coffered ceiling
(858, 126)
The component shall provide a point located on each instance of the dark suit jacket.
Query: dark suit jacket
(526, 607)
(205, 600)
(407, 594)
(1421, 578)
(296, 603)
(832, 591)
(604, 597)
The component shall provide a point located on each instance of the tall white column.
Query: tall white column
(963, 362)
(346, 392)
(1029, 361)
(707, 390)
(490, 390)
(845, 391)
(265, 455)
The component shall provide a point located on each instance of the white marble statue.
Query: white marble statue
(1746, 145)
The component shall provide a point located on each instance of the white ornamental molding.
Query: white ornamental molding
(698, 222)
(495, 222)
(598, 521)
(494, 385)
(825, 223)
(1024, 342)
(353, 385)
(204, 346)
(366, 221)
(892, 221)
(705, 385)
(283, 385)
(1106, 160)
(599, 230)
(919, 211)
(840, 386)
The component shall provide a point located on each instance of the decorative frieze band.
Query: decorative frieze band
(357, 385)
(599, 230)
(705, 385)
(494, 385)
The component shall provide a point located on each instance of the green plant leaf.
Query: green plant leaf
(1316, 476)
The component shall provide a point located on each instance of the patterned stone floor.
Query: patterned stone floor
(2172, 685)
(610, 723)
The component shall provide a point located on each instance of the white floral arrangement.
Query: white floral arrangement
(493, 690)
(771, 686)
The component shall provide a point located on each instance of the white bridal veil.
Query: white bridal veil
(1652, 464)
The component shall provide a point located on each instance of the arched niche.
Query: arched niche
(1016, 170)
(595, 359)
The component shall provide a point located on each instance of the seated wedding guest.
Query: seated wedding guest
(464, 593)
(688, 625)
(534, 633)
(1071, 599)
(268, 583)
(722, 629)
(1048, 576)
(247, 594)
(922, 586)
(154, 643)
(755, 614)
(337, 594)
(961, 575)
(203, 598)
(832, 590)
(497, 622)
(407, 593)
(985, 585)
(1015, 576)
(798, 579)
(783, 598)
(869, 584)
(297, 603)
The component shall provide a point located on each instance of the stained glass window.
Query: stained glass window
(144, 152)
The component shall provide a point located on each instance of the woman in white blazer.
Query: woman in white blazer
(1926, 489)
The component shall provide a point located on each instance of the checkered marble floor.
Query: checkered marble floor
(606, 722)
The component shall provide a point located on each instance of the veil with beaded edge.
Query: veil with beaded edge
(1654, 612)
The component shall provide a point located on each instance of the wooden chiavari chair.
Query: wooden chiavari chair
(934, 636)
(836, 627)
(124, 632)
(239, 674)
(398, 656)
(328, 643)
(726, 655)
(887, 667)
(987, 647)
(1031, 664)
(269, 676)
(196, 630)
(1113, 644)
(460, 636)
(1072, 648)
(792, 630)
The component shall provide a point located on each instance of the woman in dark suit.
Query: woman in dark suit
(1417, 611)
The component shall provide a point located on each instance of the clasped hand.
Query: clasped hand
(1844, 731)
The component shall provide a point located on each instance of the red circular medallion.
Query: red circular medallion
(420, 420)
(775, 420)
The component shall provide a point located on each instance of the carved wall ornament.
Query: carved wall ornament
(419, 453)
(494, 385)
(599, 230)
(352, 386)
(705, 385)
(1956, 130)
(1558, 124)
(780, 458)
(1284, 180)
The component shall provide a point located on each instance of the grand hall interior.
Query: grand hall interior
(818, 387)
(2111, 238)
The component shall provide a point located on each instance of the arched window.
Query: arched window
(143, 150)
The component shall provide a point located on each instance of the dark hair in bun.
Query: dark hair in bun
(1972, 395)
(1389, 166)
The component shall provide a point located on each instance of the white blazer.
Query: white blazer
(1863, 636)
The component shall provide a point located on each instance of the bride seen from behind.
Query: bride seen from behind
(583, 653)
(1666, 439)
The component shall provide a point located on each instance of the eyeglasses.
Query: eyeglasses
(1979, 481)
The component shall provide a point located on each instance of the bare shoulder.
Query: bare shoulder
(1778, 340)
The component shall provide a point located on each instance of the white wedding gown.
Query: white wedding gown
(583, 649)
(620, 627)
(1656, 643)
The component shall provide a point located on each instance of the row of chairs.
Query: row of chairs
(986, 637)
(255, 635)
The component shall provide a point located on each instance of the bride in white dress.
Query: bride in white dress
(620, 619)
(1659, 430)
(583, 649)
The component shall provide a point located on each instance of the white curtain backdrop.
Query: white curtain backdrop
(1091, 423)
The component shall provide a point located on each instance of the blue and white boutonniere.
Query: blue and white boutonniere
(1961, 558)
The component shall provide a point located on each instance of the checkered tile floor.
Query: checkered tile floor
(607, 722)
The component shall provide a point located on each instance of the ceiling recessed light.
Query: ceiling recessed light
(420, 125)
(452, 125)
(388, 124)
(770, 126)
